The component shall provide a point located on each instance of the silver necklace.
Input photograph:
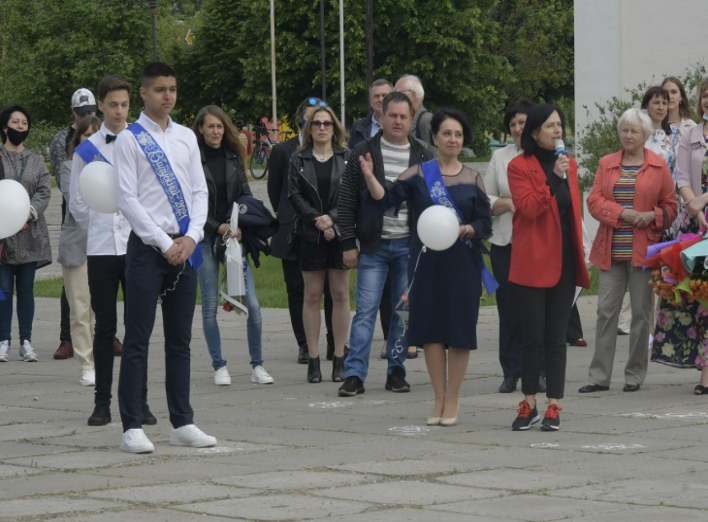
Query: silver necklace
(325, 159)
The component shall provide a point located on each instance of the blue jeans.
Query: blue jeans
(208, 275)
(20, 278)
(391, 258)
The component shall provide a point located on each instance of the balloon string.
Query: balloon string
(398, 348)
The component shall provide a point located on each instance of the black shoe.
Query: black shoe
(313, 370)
(101, 415)
(303, 356)
(526, 417)
(508, 385)
(396, 382)
(551, 420)
(352, 386)
(330, 351)
(148, 417)
(592, 388)
(337, 369)
(632, 387)
(412, 355)
(542, 384)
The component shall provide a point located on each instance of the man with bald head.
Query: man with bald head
(412, 87)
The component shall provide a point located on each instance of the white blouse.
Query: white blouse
(496, 183)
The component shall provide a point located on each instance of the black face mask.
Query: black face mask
(16, 137)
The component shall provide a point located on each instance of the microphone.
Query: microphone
(560, 151)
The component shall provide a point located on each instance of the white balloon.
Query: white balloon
(97, 184)
(14, 207)
(438, 227)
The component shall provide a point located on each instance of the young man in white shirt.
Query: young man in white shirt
(160, 177)
(106, 246)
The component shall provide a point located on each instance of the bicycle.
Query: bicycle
(260, 155)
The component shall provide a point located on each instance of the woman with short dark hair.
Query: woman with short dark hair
(29, 249)
(446, 285)
(547, 262)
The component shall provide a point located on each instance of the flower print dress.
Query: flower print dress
(681, 335)
(666, 146)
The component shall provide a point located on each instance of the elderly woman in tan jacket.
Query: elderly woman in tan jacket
(633, 198)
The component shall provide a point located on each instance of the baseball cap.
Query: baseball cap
(83, 101)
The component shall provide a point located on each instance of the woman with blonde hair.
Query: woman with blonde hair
(313, 189)
(222, 158)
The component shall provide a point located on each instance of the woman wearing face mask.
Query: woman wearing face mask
(680, 338)
(29, 249)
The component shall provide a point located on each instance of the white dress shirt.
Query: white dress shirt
(375, 127)
(141, 198)
(107, 233)
(496, 183)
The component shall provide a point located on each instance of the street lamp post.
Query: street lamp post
(152, 4)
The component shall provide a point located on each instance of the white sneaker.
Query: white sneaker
(192, 436)
(651, 342)
(4, 351)
(88, 378)
(27, 352)
(259, 375)
(222, 377)
(135, 441)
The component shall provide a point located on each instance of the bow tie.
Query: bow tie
(110, 138)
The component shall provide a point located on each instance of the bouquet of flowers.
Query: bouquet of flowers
(680, 269)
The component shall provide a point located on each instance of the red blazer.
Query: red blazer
(537, 256)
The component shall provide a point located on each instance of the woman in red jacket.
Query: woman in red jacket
(547, 261)
(634, 200)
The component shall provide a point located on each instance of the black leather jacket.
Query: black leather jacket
(304, 197)
(236, 185)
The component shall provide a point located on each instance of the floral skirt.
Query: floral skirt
(681, 335)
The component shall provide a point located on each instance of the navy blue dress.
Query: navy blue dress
(447, 285)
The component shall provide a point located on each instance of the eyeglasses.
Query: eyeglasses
(320, 124)
(314, 102)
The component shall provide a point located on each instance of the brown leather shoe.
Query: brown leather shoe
(117, 347)
(65, 351)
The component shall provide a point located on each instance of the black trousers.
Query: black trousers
(105, 274)
(295, 286)
(544, 319)
(65, 320)
(510, 329)
(149, 277)
(575, 327)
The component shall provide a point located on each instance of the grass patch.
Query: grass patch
(271, 286)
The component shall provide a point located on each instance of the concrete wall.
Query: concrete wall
(620, 43)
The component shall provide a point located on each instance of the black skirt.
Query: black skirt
(325, 255)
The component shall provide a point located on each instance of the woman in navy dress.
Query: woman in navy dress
(446, 285)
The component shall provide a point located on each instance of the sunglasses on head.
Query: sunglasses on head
(314, 102)
(320, 124)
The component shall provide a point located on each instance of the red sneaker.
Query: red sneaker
(551, 421)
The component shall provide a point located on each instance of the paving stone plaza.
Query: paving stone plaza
(295, 451)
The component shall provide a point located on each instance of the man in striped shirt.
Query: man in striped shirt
(383, 242)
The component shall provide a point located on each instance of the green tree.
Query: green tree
(536, 37)
(52, 48)
(448, 43)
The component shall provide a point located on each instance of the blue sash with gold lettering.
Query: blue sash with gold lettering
(440, 196)
(168, 179)
(89, 153)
